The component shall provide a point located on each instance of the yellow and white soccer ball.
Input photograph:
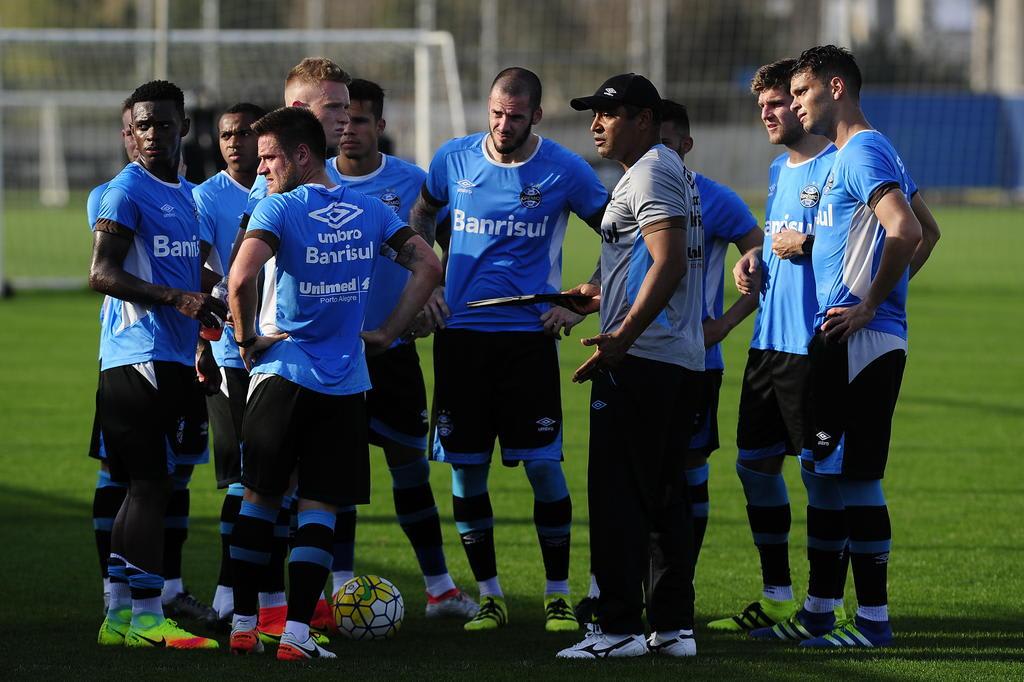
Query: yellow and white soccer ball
(369, 607)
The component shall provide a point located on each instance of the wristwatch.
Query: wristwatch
(247, 342)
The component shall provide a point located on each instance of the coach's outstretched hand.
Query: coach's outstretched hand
(262, 343)
(558, 319)
(747, 272)
(208, 310)
(611, 348)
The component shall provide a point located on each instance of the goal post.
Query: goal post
(59, 115)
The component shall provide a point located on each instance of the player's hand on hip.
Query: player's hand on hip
(558, 319)
(610, 351)
(436, 309)
(747, 272)
(419, 328)
(252, 353)
(207, 371)
(841, 323)
(210, 311)
(376, 342)
(788, 244)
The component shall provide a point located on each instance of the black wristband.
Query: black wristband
(808, 245)
(247, 342)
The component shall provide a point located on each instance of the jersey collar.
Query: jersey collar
(499, 164)
(362, 178)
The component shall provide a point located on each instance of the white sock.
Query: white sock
(819, 604)
(778, 592)
(120, 596)
(172, 588)
(243, 623)
(106, 586)
(490, 588)
(439, 584)
(271, 599)
(151, 605)
(595, 591)
(876, 613)
(339, 578)
(298, 630)
(223, 600)
(556, 587)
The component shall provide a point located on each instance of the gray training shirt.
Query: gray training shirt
(655, 188)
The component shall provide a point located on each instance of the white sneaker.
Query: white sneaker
(680, 647)
(597, 645)
(291, 649)
(452, 604)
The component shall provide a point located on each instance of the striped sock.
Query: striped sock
(418, 517)
(870, 542)
(474, 519)
(552, 515)
(106, 502)
(176, 525)
(309, 563)
(769, 515)
(697, 482)
(251, 545)
(826, 538)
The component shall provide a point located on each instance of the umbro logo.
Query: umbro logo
(167, 210)
(599, 404)
(611, 92)
(546, 424)
(823, 436)
(465, 186)
(336, 214)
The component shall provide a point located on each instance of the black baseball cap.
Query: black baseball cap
(626, 88)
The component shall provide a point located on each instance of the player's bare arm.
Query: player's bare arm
(423, 218)
(207, 371)
(666, 242)
(715, 330)
(111, 243)
(415, 255)
(929, 233)
(258, 247)
(902, 237)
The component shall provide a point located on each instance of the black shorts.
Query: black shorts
(288, 427)
(771, 404)
(397, 403)
(705, 426)
(148, 430)
(96, 449)
(226, 410)
(847, 423)
(502, 385)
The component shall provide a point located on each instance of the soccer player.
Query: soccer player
(726, 220)
(109, 496)
(319, 84)
(646, 370)
(397, 404)
(510, 193)
(866, 238)
(770, 425)
(148, 251)
(308, 381)
(221, 201)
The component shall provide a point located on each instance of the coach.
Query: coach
(646, 371)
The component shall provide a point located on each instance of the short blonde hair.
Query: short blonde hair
(313, 70)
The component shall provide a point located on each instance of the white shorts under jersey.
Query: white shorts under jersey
(655, 188)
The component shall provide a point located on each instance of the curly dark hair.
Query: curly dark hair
(160, 91)
(829, 61)
(293, 126)
(772, 76)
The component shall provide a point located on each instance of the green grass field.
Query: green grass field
(954, 487)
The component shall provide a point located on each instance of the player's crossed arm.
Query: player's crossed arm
(111, 244)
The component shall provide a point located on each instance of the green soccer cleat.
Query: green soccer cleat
(115, 626)
(855, 633)
(165, 634)
(493, 614)
(558, 615)
(763, 613)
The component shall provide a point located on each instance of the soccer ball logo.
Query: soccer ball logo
(369, 607)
